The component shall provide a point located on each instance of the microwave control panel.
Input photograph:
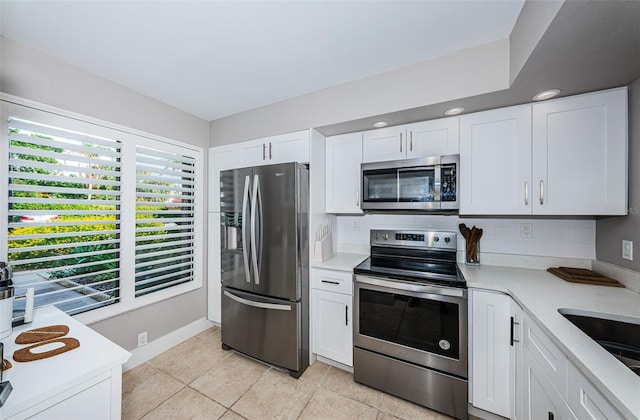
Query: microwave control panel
(448, 183)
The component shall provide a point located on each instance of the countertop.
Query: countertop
(40, 380)
(541, 294)
(342, 261)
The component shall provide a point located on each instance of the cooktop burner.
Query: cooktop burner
(414, 256)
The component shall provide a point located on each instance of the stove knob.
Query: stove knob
(447, 239)
(385, 236)
(377, 236)
(436, 239)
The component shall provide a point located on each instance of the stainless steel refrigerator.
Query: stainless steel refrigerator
(265, 263)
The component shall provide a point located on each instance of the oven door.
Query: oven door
(417, 323)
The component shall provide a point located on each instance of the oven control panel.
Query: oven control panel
(443, 240)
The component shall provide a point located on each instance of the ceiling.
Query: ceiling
(217, 58)
(589, 46)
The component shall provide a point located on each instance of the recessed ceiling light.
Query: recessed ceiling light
(547, 94)
(454, 111)
(380, 124)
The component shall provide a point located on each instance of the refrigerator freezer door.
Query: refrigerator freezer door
(235, 254)
(275, 191)
(264, 328)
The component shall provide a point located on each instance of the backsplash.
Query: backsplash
(564, 238)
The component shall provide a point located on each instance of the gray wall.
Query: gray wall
(32, 75)
(610, 231)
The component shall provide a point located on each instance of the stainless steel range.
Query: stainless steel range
(410, 334)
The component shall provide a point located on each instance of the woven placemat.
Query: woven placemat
(38, 335)
(25, 354)
(6, 365)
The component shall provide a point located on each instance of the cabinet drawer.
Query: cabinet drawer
(550, 358)
(586, 401)
(333, 281)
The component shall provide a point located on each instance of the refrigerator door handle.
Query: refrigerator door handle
(262, 305)
(245, 248)
(254, 246)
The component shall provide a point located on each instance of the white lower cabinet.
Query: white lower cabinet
(332, 315)
(541, 399)
(495, 321)
(585, 401)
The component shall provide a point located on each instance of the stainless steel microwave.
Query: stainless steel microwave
(424, 184)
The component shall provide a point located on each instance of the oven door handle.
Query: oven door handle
(411, 287)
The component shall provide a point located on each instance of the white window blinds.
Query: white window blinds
(165, 218)
(63, 236)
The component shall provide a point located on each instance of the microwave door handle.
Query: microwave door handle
(245, 242)
(254, 245)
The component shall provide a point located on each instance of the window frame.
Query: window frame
(130, 139)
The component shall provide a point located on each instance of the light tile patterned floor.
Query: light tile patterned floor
(198, 380)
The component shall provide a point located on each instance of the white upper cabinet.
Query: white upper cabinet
(580, 154)
(220, 159)
(343, 159)
(290, 147)
(495, 161)
(566, 156)
(433, 138)
(422, 139)
(388, 143)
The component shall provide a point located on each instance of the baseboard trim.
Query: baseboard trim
(335, 364)
(164, 343)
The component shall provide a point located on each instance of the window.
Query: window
(97, 218)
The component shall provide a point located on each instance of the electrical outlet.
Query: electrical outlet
(142, 339)
(526, 230)
(627, 250)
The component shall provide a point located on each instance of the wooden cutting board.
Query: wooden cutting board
(582, 275)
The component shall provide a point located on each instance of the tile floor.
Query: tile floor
(197, 379)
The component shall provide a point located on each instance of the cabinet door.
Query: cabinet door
(344, 156)
(388, 143)
(580, 154)
(433, 138)
(495, 352)
(332, 326)
(291, 147)
(213, 269)
(495, 162)
(254, 152)
(220, 158)
(586, 401)
(541, 399)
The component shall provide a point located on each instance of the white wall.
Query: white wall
(473, 71)
(30, 74)
(564, 238)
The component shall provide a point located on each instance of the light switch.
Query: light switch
(627, 250)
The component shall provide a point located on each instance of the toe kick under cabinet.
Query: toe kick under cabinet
(332, 315)
(83, 383)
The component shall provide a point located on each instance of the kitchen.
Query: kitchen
(581, 238)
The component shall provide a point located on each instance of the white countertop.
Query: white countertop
(341, 261)
(42, 379)
(541, 294)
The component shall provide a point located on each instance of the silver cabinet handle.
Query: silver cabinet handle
(512, 331)
(526, 193)
(358, 197)
(400, 142)
(254, 246)
(264, 151)
(411, 141)
(262, 305)
(270, 154)
(245, 251)
(541, 192)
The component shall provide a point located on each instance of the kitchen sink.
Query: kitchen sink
(620, 336)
